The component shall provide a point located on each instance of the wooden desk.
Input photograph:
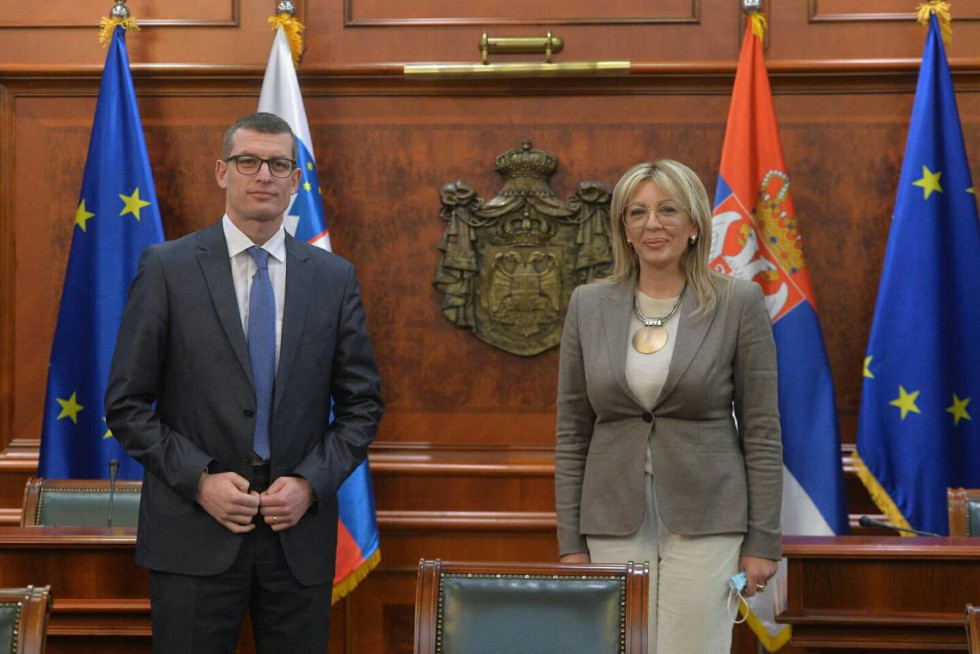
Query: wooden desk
(101, 597)
(880, 593)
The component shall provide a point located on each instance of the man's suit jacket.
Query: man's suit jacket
(180, 398)
(709, 476)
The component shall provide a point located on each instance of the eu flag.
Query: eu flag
(117, 216)
(918, 431)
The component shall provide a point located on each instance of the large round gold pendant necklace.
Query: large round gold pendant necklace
(652, 336)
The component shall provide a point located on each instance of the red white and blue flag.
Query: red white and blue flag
(358, 549)
(755, 236)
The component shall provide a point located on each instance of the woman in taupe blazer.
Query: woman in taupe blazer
(668, 441)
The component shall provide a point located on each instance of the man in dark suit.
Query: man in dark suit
(234, 342)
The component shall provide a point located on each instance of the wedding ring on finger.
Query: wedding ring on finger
(760, 587)
(275, 521)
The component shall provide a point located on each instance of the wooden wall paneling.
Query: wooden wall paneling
(7, 268)
(463, 464)
(356, 32)
(444, 13)
(222, 13)
(877, 11)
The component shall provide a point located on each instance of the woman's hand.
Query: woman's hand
(758, 572)
(578, 557)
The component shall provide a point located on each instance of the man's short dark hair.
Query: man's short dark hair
(261, 122)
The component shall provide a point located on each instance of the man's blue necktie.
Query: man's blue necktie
(262, 347)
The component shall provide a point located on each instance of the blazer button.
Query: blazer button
(647, 416)
(248, 413)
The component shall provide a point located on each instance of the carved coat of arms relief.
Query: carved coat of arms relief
(509, 264)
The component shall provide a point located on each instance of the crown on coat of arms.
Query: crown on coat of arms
(526, 162)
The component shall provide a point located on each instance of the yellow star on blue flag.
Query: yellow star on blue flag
(70, 408)
(958, 409)
(82, 216)
(132, 203)
(929, 182)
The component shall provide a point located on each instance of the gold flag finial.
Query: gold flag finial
(941, 9)
(285, 18)
(118, 17)
(754, 10)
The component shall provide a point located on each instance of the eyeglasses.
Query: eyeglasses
(638, 214)
(249, 164)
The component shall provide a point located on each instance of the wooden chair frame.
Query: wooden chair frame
(959, 517)
(973, 628)
(36, 486)
(636, 575)
(32, 627)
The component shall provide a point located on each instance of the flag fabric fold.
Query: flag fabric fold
(117, 216)
(755, 236)
(358, 545)
(918, 431)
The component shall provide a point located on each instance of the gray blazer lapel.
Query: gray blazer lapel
(299, 289)
(617, 308)
(213, 256)
(690, 334)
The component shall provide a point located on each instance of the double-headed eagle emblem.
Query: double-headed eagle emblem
(509, 264)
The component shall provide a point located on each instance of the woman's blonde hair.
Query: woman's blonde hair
(680, 182)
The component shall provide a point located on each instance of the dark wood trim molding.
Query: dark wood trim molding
(232, 21)
(694, 17)
(814, 15)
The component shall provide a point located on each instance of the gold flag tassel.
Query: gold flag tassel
(759, 24)
(293, 28)
(118, 17)
(941, 9)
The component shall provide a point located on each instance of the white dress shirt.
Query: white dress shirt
(243, 269)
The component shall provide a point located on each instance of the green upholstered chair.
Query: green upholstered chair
(964, 511)
(24, 619)
(79, 503)
(476, 608)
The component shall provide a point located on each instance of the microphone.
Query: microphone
(113, 471)
(868, 521)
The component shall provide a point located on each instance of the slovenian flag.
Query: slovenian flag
(755, 236)
(358, 549)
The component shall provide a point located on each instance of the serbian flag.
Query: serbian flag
(358, 549)
(755, 236)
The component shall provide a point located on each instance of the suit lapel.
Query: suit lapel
(616, 311)
(213, 257)
(299, 286)
(690, 334)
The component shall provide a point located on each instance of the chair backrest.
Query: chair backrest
(24, 619)
(973, 628)
(964, 511)
(530, 607)
(79, 503)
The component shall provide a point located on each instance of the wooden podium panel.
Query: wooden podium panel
(101, 597)
(880, 593)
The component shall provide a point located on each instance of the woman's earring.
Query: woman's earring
(692, 240)
(629, 242)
